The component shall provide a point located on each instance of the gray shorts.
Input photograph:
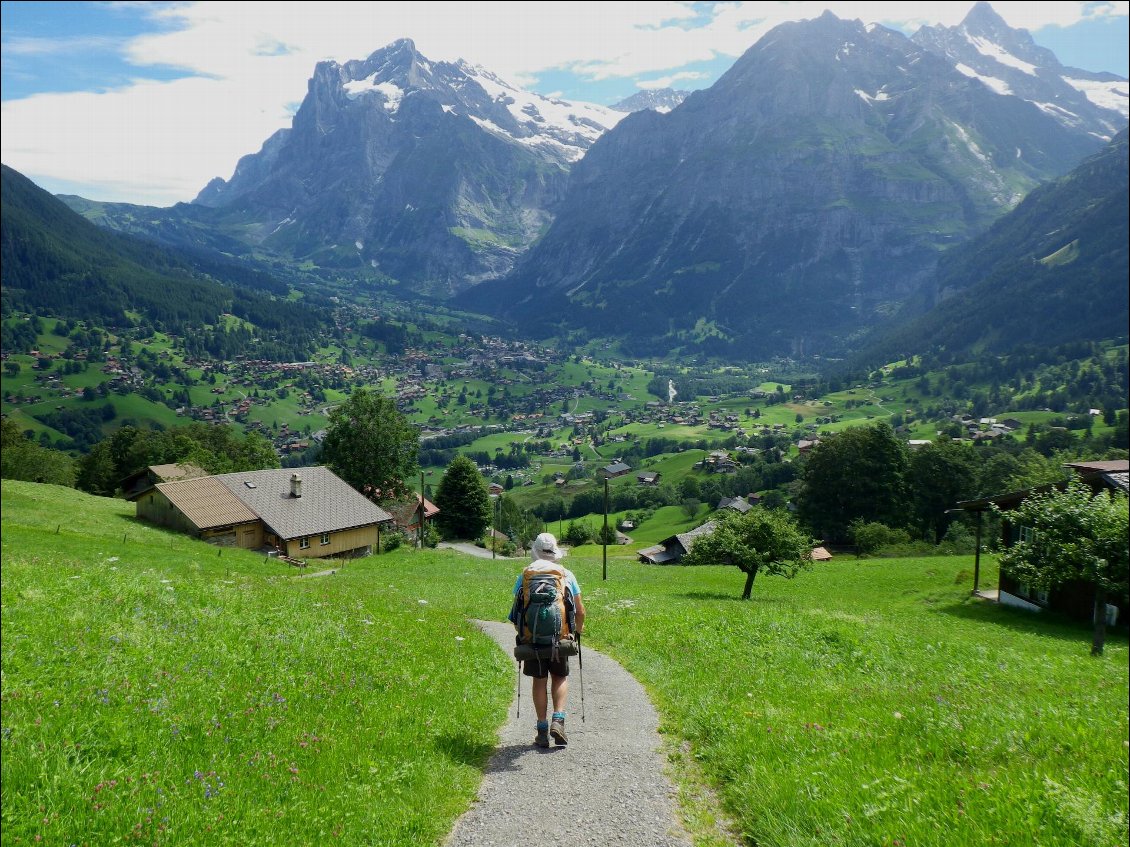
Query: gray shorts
(541, 668)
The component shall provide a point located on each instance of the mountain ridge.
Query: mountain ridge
(819, 177)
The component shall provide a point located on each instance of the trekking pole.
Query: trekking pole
(581, 665)
(518, 713)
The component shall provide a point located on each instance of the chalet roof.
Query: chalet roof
(820, 554)
(206, 502)
(1113, 474)
(327, 504)
(1114, 466)
(616, 467)
(735, 503)
(140, 482)
(657, 555)
(688, 539)
(408, 512)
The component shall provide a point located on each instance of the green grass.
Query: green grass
(874, 702)
(865, 702)
(154, 690)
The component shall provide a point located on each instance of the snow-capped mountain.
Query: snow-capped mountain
(557, 127)
(805, 196)
(435, 174)
(660, 100)
(1009, 62)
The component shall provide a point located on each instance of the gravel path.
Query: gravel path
(606, 788)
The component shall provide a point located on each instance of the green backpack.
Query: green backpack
(545, 614)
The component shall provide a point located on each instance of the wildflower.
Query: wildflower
(898, 716)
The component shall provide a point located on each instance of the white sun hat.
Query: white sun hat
(545, 547)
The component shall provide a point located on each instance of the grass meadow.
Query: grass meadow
(155, 690)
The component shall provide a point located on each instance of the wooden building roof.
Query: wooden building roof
(206, 502)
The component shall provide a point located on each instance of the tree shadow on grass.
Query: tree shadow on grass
(1044, 624)
(736, 596)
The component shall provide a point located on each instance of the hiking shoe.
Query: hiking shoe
(557, 730)
(542, 738)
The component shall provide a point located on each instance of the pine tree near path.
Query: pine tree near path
(463, 501)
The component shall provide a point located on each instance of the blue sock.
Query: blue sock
(543, 725)
(559, 716)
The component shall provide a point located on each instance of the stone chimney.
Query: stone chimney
(295, 485)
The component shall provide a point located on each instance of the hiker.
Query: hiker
(553, 665)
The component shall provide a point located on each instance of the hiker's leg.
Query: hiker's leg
(541, 699)
(560, 687)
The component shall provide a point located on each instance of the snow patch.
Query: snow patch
(971, 144)
(998, 54)
(391, 92)
(1106, 95)
(1057, 112)
(997, 85)
(555, 114)
(360, 245)
(878, 96)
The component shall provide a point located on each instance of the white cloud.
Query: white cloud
(162, 141)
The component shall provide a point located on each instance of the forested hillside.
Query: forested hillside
(1051, 272)
(57, 263)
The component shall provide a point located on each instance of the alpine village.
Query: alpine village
(818, 375)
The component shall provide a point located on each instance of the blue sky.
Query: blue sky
(146, 102)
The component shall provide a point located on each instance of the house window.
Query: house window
(1026, 591)
(325, 538)
(304, 543)
(1027, 534)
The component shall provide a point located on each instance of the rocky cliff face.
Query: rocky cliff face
(436, 175)
(802, 197)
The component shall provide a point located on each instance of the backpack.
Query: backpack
(544, 613)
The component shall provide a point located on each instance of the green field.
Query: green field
(157, 690)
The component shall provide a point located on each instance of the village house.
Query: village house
(648, 477)
(736, 504)
(300, 512)
(1074, 599)
(672, 549)
(615, 469)
(406, 516)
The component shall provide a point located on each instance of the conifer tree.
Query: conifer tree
(464, 505)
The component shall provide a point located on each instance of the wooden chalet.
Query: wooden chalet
(671, 550)
(406, 515)
(735, 504)
(304, 513)
(1075, 599)
(615, 469)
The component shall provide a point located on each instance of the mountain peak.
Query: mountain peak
(983, 17)
(661, 100)
(1010, 63)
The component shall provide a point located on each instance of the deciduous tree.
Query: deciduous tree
(758, 541)
(859, 473)
(372, 446)
(1075, 535)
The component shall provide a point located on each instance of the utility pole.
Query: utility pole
(604, 536)
(420, 529)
